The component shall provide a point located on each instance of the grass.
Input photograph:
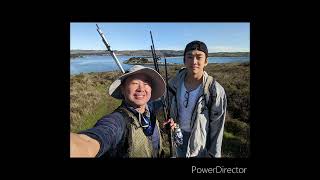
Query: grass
(236, 139)
(90, 101)
(234, 146)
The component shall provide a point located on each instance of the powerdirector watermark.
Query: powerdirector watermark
(218, 170)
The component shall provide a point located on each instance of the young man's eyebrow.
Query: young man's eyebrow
(198, 54)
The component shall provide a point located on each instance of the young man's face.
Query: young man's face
(195, 61)
(137, 90)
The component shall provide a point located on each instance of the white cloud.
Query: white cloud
(227, 49)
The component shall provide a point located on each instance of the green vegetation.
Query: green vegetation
(90, 101)
(138, 60)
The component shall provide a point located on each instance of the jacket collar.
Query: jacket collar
(176, 83)
(135, 111)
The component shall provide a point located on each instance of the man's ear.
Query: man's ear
(206, 62)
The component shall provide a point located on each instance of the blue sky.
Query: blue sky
(219, 37)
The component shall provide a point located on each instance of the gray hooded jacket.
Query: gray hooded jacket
(207, 123)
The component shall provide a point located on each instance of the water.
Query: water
(96, 64)
(106, 63)
(179, 60)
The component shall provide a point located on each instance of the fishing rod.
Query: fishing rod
(154, 55)
(166, 72)
(156, 67)
(104, 40)
(176, 133)
(154, 59)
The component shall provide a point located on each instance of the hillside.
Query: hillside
(89, 101)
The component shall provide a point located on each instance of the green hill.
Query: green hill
(89, 101)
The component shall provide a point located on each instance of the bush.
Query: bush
(238, 128)
(235, 79)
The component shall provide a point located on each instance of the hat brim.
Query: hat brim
(157, 83)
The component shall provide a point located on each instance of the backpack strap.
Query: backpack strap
(209, 95)
(128, 116)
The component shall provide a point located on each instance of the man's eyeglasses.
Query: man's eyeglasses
(186, 99)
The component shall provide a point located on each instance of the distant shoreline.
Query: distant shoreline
(83, 56)
(147, 53)
(151, 64)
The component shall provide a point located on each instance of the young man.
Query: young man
(198, 105)
(132, 130)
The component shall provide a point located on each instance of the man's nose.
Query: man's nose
(194, 60)
(140, 87)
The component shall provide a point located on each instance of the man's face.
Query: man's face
(195, 61)
(137, 90)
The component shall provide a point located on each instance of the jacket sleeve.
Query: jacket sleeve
(108, 131)
(217, 116)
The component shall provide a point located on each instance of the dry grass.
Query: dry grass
(90, 101)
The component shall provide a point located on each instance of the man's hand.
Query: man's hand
(169, 123)
(83, 146)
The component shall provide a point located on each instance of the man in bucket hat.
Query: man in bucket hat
(132, 130)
